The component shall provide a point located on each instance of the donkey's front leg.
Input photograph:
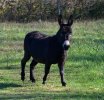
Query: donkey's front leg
(61, 70)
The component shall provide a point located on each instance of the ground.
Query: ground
(84, 68)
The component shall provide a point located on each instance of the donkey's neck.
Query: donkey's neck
(56, 39)
(58, 33)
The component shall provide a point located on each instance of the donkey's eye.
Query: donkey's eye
(70, 35)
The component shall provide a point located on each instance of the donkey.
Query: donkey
(47, 49)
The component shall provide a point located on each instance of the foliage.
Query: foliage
(97, 10)
(29, 10)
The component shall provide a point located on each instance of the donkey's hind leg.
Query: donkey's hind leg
(47, 69)
(32, 65)
(23, 63)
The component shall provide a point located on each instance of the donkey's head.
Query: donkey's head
(65, 32)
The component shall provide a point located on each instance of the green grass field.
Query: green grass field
(84, 68)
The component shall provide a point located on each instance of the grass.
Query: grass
(84, 68)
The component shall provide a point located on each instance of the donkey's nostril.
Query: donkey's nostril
(66, 47)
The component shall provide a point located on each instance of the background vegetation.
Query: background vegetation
(29, 10)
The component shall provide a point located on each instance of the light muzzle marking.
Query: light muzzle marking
(66, 43)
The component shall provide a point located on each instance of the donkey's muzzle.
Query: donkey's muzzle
(66, 45)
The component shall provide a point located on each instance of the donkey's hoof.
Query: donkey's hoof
(23, 78)
(43, 82)
(32, 80)
(63, 84)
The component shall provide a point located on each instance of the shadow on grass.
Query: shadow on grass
(7, 85)
(56, 96)
(10, 60)
(8, 65)
(93, 58)
(99, 41)
(11, 67)
(89, 40)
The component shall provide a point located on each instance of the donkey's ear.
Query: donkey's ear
(70, 20)
(60, 21)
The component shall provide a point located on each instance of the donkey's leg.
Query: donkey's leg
(47, 69)
(61, 70)
(32, 65)
(23, 63)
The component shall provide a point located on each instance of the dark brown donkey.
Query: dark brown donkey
(47, 49)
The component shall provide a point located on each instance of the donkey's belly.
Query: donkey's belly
(45, 61)
(39, 57)
(44, 57)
